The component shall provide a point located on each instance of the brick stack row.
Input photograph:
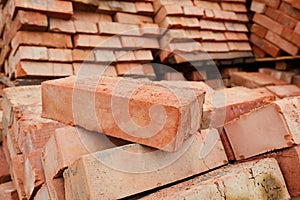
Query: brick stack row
(276, 28)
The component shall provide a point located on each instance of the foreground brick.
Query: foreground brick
(8, 191)
(269, 133)
(254, 79)
(251, 180)
(182, 112)
(80, 180)
(283, 91)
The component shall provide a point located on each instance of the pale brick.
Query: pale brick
(60, 25)
(114, 28)
(85, 27)
(283, 91)
(83, 55)
(8, 191)
(139, 42)
(104, 56)
(90, 69)
(60, 55)
(100, 41)
(126, 18)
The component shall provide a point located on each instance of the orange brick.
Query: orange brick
(268, 23)
(238, 27)
(126, 18)
(52, 107)
(258, 7)
(225, 15)
(258, 30)
(124, 56)
(104, 55)
(239, 46)
(297, 28)
(134, 69)
(150, 30)
(144, 8)
(207, 4)
(17, 173)
(283, 91)
(212, 25)
(296, 4)
(116, 6)
(215, 46)
(274, 4)
(90, 69)
(139, 42)
(193, 11)
(236, 7)
(179, 22)
(113, 28)
(290, 10)
(41, 39)
(4, 168)
(159, 3)
(56, 188)
(212, 36)
(233, 36)
(258, 52)
(168, 10)
(91, 16)
(281, 17)
(60, 55)
(282, 43)
(85, 27)
(91, 41)
(266, 46)
(291, 36)
(60, 25)
(83, 55)
(31, 53)
(143, 55)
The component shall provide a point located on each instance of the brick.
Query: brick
(122, 56)
(211, 25)
(116, 6)
(168, 10)
(297, 28)
(139, 42)
(289, 10)
(57, 9)
(296, 4)
(274, 4)
(4, 54)
(258, 52)
(89, 69)
(126, 18)
(100, 41)
(193, 11)
(288, 161)
(196, 76)
(157, 4)
(8, 191)
(61, 25)
(143, 55)
(258, 7)
(225, 15)
(156, 177)
(173, 76)
(268, 23)
(296, 80)
(179, 22)
(207, 4)
(114, 28)
(174, 35)
(233, 36)
(254, 79)
(239, 46)
(215, 47)
(41, 39)
(238, 27)
(50, 69)
(4, 168)
(85, 27)
(256, 139)
(52, 109)
(258, 30)
(283, 91)
(42, 193)
(31, 53)
(291, 36)
(283, 75)
(91, 16)
(145, 8)
(17, 174)
(238, 101)
(104, 56)
(135, 69)
(83, 55)
(59, 152)
(60, 55)
(242, 17)
(150, 30)
(235, 7)
(212, 36)
(56, 188)
(281, 17)
(265, 45)
(234, 181)
(282, 43)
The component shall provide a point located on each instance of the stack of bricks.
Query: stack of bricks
(202, 30)
(276, 28)
(54, 38)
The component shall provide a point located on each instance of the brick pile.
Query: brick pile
(218, 28)
(276, 28)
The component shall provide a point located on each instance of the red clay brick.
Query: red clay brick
(126, 18)
(235, 7)
(174, 76)
(291, 36)
(85, 27)
(101, 41)
(17, 173)
(31, 53)
(233, 36)
(239, 46)
(124, 56)
(42, 193)
(150, 30)
(135, 69)
(211, 25)
(274, 4)
(104, 55)
(266, 46)
(41, 39)
(258, 30)
(209, 13)
(296, 4)
(215, 47)
(60, 55)
(290, 10)
(258, 52)
(193, 11)
(56, 188)
(90, 69)
(91, 16)
(225, 15)
(113, 28)
(282, 43)
(52, 107)
(179, 22)
(143, 55)
(144, 8)
(207, 4)
(281, 17)
(297, 28)
(268, 23)
(61, 25)
(139, 42)
(190, 159)
(283, 91)
(238, 27)
(4, 168)
(82, 55)
(117, 6)
(168, 10)
(158, 3)
(258, 7)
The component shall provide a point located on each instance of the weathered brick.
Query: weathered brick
(215, 46)
(258, 52)
(225, 15)
(236, 7)
(143, 55)
(60, 55)
(100, 41)
(52, 109)
(143, 181)
(296, 80)
(239, 181)
(150, 30)
(30, 53)
(56, 188)
(168, 10)
(143, 70)
(254, 79)
(265, 45)
(85, 27)
(282, 43)
(208, 13)
(258, 30)
(139, 42)
(114, 28)
(290, 10)
(159, 3)
(42, 193)
(17, 174)
(61, 25)
(212, 36)
(122, 56)
(207, 4)
(297, 28)
(268, 23)
(296, 4)
(274, 4)
(126, 18)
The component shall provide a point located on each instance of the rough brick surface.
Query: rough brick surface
(283, 91)
(141, 100)
(190, 163)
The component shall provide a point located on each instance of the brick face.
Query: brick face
(265, 45)
(281, 17)
(90, 41)
(268, 23)
(259, 30)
